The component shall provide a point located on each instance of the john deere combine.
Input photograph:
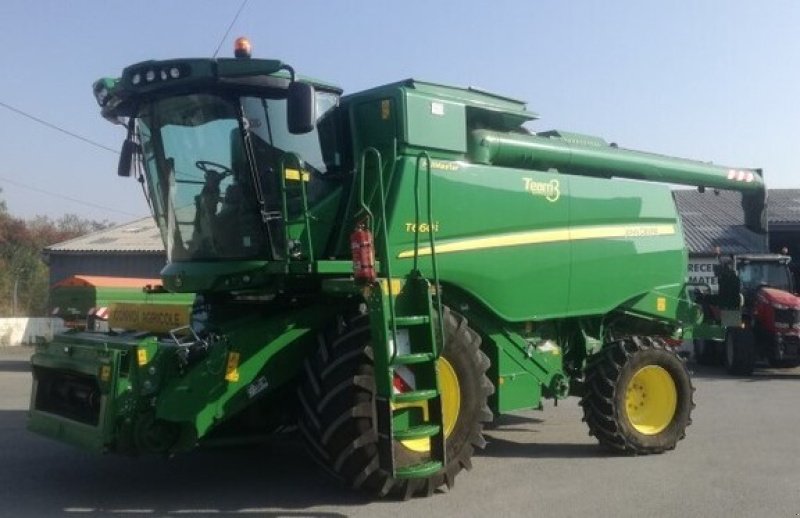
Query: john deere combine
(386, 270)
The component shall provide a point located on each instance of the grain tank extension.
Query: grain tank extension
(387, 270)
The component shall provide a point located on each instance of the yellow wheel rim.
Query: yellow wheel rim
(451, 404)
(651, 400)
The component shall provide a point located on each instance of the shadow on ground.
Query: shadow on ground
(505, 420)
(15, 366)
(503, 448)
(41, 477)
(761, 373)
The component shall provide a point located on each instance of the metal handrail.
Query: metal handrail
(384, 261)
(431, 238)
(297, 161)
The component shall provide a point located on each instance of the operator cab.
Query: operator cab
(218, 140)
(211, 162)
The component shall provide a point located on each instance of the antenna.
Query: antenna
(236, 17)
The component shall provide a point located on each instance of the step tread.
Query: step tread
(417, 432)
(421, 470)
(412, 320)
(415, 395)
(413, 358)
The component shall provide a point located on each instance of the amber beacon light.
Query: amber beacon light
(242, 48)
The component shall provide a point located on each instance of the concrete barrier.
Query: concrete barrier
(18, 331)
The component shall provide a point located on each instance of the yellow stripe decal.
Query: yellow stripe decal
(547, 236)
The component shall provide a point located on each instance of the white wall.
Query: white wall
(17, 331)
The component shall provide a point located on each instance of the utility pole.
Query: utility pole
(14, 298)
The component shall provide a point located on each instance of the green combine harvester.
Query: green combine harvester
(387, 271)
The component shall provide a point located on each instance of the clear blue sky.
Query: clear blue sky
(712, 80)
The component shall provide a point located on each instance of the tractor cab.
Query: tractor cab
(764, 271)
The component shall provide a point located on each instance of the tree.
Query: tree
(22, 271)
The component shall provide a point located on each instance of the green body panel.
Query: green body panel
(538, 259)
(438, 125)
(198, 277)
(270, 352)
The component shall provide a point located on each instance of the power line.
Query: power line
(61, 196)
(230, 27)
(58, 128)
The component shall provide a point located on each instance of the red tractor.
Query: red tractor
(758, 306)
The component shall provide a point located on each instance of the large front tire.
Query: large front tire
(338, 416)
(638, 396)
(740, 351)
(708, 352)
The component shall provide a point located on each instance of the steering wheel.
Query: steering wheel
(213, 168)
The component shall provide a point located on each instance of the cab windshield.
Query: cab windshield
(211, 165)
(759, 273)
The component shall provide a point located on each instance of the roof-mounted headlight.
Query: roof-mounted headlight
(102, 90)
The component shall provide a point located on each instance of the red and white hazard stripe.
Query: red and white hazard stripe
(403, 380)
(101, 312)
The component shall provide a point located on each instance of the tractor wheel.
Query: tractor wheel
(706, 352)
(639, 397)
(740, 351)
(784, 363)
(338, 413)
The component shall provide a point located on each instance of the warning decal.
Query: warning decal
(156, 318)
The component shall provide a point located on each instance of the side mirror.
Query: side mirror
(129, 149)
(301, 112)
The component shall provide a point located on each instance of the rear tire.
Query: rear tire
(783, 364)
(639, 397)
(740, 351)
(707, 352)
(338, 413)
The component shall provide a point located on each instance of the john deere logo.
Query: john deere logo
(550, 190)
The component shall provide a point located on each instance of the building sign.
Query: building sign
(701, 271)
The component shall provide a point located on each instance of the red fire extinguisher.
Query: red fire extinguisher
(362, 245)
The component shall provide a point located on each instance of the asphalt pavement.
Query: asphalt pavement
(741, 457)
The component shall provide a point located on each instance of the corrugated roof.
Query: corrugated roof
(716, 219)
(141, 236)
(784, 206)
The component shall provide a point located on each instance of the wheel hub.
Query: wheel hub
(651, 400)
